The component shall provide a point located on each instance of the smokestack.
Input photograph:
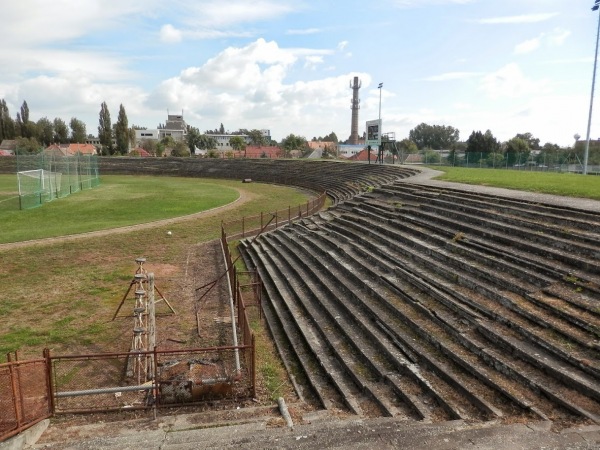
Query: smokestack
(355, 107)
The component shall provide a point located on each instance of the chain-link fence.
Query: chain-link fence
(45, 177)
(24, 397)
(512, 161)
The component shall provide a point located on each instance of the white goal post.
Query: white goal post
(39, 182)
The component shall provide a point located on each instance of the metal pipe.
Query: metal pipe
(112, 390)
(232, 308)
(589, 126)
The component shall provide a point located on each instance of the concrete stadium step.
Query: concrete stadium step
(494, 297)
(280, 320)
(311, 336)
(355, 356)
(582, 387)
(378, 313)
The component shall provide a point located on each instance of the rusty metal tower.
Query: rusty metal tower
(355, 107)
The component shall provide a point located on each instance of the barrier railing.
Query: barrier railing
(98, 382)
(24, 398)
(266, 221)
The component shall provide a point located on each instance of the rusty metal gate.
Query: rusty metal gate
(24, 395)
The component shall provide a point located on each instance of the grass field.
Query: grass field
(118, 201)
(62, 295)
(566, 184)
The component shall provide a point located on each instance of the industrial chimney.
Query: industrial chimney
(355, 107)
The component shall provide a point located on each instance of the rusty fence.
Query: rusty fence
(265, 221)
(24, 395)
(101, 382)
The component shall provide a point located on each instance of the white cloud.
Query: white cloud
(303, 31)
(31, 22)
(420, 3)
(217, 14)
(554, 38)
(248, 87)
(528, 46)
(452, 76)
(525, 18)
(510, 82)
(170, 34)
(311, 62)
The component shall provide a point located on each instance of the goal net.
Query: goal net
(38, 186)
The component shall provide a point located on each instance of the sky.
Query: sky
(510, 66)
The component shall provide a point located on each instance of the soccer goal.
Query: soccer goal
(38, 186)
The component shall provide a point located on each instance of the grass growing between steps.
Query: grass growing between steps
(272, 378)
(565, 184)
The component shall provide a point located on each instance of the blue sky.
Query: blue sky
(511, 66)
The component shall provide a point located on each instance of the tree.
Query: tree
(78, 131)
(408, 146)
(18, 126)
(122, 132)
(257, 138)
(437, 137)
(329, 151)
(27, 146)
(105, 130)
(206, 142)
(61, 131)
(45, 130)
(480, 145)
(293, 142)
(192, 138)
(23, 120)
(150, 146)
(517, 151)
(237, 143)
(222, 129)
(331, 137)
(7, 124)
(180, 149)
(532, 143)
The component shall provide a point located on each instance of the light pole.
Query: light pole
(380, 149)
(381, 85)
(587, 142)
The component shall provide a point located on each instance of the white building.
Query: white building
(223, 139)
(141, 135)
(174, 127)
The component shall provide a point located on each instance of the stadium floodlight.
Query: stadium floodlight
(379, 87)
(587, 142)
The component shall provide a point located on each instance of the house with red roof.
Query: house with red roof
(363, 155)
(263, 151)
(8, 147)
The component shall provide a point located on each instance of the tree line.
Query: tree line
(483, 148)
(31, 136)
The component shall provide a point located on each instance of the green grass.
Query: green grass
(566, 184)
(118, 201)
(63, 295)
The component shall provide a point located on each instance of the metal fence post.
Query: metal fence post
(49, 385)
(253, 374)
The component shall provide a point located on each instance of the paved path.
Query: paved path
(323, 432)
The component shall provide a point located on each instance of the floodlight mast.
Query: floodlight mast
(596, 7)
